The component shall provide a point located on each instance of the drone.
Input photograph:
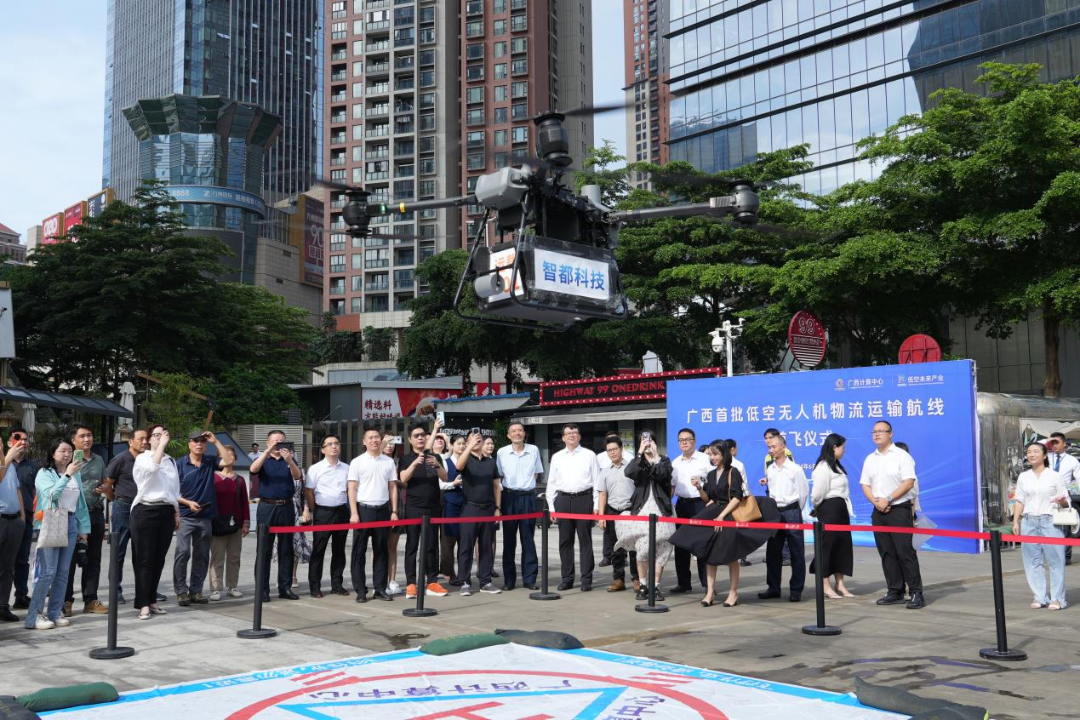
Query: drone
(558, 267)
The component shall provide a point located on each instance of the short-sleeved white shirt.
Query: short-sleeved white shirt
(885, 471)
(372, 476)
(330, 483)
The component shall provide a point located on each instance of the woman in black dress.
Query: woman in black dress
(831, 498)
(722, 490)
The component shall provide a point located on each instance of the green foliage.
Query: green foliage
(245, 395)
(599, 170)
(172, 403)
(335, 346)
(378, 342)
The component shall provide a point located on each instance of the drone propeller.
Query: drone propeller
(597, 109)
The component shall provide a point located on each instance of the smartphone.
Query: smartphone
(79, 456)
(287, 445)
(441, 417)
(646, 435)
(474, 431)
(396, 440)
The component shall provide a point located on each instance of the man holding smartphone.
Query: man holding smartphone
(26, 470)
(92, 474)
(278, 473)
(13, 519)
(198, 508)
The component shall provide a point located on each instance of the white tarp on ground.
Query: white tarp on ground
(496, 683)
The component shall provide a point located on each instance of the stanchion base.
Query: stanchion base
(995, 654)
(815, 630)
(544, 596)
(111, 653)
(646, 608)
(252, 634)
(419, 612)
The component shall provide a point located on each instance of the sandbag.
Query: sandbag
(10, 709)
(551, 639)
(71, 696)
(902, 701)
(462, 643)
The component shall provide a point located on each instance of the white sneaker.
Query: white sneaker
(216, 595)
(233, 592)
(61, 621)
(392, 588)
(44, 623)
(466, 591)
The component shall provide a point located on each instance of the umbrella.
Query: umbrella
(29, 417)
(127, 396)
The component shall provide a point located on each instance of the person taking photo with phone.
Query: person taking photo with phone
(278, 474)
(12, 524)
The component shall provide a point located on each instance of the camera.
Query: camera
(81, 554)
(717, 345)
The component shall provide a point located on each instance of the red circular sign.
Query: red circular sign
(919, 349)
(806, 338)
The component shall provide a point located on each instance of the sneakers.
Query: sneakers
(43, 623)
(436, 589)
(466, 591)
(216, 595)
(95, 607)
(410, 592)
(66, 612)
(183, 599)
(490, 589)
(198, 599)
(234, 593)
(61, 621)
(392, 588)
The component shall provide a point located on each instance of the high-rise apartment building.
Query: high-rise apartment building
(423, 98)
(646, 65)
(267, 54)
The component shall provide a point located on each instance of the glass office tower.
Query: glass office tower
(749, 77)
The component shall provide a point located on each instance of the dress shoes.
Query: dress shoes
(381, 595)
(917, 602)
(565, 585)
(586, 587)
(795, 597)
(617, 586)
(317, 594)
(288, 595)
(606, 562)
(361, 596)
(266, 597)
(768, 595)
(531, 586)
(22, 602)
(891, 599)
(508, 588)
(7, 616)
(679, 590)
(340, 591)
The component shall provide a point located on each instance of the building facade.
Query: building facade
(645, 22)
(266, 54)
(423, 97)
(10, 247)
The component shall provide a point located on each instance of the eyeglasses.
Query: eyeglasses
(686, 440)
(331, 443)
(157, 434)
(419, 434)
(571, 432)
(880, 432)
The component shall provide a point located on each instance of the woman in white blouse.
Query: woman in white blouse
(832, 505)
(1039, 491)
(155, 515)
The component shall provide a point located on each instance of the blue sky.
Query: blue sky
(52, 85)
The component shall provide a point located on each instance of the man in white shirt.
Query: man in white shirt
(689, 466)
(788, 487)
(1068, 467)
(373, 497)
(254, 454)
(888, 481)
(519, 467)
(571, 488)
(326, 487)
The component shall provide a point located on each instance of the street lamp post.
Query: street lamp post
(729, 331)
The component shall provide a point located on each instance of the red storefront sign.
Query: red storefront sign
(616, 388)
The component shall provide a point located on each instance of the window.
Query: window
(500, 93)
(403, 279)
(521, 135)
(500, 71)
(518, 23)
(427, 57)
(427, 36)
(427, 100)
(427, 121)
(519, 89)
(519, 45)
(474, 117)
(474, 138)
(500, 138)
(427, 14)
(520, 5)
(474, 51)
(501, 160)
(357, 283)
(357, 262)
(339, 30)
(500, 49)
(475, 161)
(500, 117)
(498, 6)
(520, 67)
(427, 78)
(427, 144)
(337, 307)
(474, 7)
(470, 184)
(474, 28)
(474, 72)
(498, 28)
(427, 188)
(474, 95)
(519, 111)
(377, 303)
(337, 263)
(427, 166)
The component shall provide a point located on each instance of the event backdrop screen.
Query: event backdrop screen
(931, 407)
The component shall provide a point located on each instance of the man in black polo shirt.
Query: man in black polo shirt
(420, 472)
(483, 498)
(26, 470)
(278, 472)
(119, 487)
(198, 508)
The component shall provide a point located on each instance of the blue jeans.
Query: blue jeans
(517, 504)
(52, 570)
(1037, 557)
(120, 521)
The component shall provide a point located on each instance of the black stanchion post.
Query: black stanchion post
(111, 651)
(819, 582)
(421, 576)
(544, 594)
(1002, 651)
(651, 606)
(262, 548)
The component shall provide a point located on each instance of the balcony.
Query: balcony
(375, 265)
(405, 285)
(339, 76)
(338, 139)
(375, 26)
(338, 204)
(405, 171)
(378, 131)
(339, 55)
(339, 97)
(375, 110)
(404, 84)
(381, 68)
(404, 128)
(376, 46)
(376, 287)
(337, 160)
(372, 176)
(381, 152)
(382, 88)
(339, 226)
(405, 63)
(339, 118)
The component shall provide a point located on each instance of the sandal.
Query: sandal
(1055, 605)
(1036, 606)
(157, 611)
(144, 614)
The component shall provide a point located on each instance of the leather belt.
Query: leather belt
(9, 516)
(576, 494)
(272, 501)
(792, 506)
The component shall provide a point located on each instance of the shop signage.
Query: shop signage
(806, 338)
(616, 388)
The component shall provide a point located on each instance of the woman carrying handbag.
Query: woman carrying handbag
(1039, 492)
(62, 520)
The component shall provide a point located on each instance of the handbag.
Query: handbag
(1067, 517)
(226, 524)
(54, 527)
(747, 510)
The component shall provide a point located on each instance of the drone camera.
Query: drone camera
(553, 140)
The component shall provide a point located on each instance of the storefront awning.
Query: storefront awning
(534, 415)
(80, 403)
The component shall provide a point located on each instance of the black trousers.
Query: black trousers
(774, 554)
(379, 556)
(519, 504)
(277, 516)
(324, 515)
(618, 557)
(688, 508)
(412, 545)
(11, 535)
(91, 571)
(152, 528)
(898, 559)
(568, 529)
(470, 532)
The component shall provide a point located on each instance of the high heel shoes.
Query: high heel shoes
(727, 604)
(708, 603)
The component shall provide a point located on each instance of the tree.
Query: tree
(600, 168)
(335, 346)
(992, 179)
(172, 402)
(244, 395)
(378, 342)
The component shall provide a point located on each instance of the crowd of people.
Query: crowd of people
(202, 503)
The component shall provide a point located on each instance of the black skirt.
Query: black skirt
(836, 551)
(722, 546)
